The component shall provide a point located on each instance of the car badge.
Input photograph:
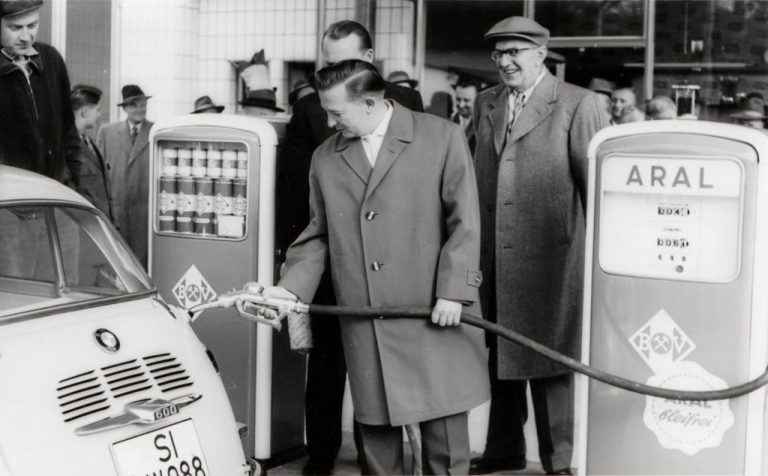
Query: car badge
(108, 340)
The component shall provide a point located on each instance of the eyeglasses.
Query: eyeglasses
(496, 55)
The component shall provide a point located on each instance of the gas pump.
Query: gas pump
(675, 296)
(212, 184)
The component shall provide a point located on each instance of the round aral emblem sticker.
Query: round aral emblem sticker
(688, 426)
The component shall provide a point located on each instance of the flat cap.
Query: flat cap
(519, 27)
(17, 7)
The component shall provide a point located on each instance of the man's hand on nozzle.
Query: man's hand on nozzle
(446, 313)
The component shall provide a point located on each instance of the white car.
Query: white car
(98, 376)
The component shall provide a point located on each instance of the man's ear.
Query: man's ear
(370, 102)
(368, 55)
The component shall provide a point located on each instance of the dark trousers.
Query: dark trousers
(552, 399)
(444, 443)
(326, 376)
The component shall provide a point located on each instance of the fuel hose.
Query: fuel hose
(569, 362)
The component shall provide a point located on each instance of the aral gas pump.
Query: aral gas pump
(676, 296)
(212, 229)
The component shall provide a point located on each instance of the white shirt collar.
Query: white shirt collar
(372, 142)
(527, 93)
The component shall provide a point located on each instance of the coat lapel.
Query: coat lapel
(497, 114)
(536, 109)
(353, 154)
(399, 133)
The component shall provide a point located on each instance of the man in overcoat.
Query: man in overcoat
(37, 128)
(531, 161)
(393, 208)
(126, 152)
(307, 129)
(92, 171)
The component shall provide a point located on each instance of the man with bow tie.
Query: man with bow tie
(38, 128)
(531, 160)
(394, 213)
(125, 146)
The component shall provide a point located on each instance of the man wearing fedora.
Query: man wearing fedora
(37, 127)
(531, 162)
(308, 128)
(125, 145)
(205, 105)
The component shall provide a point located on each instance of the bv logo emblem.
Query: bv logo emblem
(192, 289)
(661, 342)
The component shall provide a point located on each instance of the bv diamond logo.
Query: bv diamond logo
(192, 289)
(661, 342)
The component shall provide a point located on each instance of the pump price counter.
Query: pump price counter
(212, 204)
(676, 270)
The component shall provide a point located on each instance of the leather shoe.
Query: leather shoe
(491, 465)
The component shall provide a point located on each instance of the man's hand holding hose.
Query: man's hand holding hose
(299, 330)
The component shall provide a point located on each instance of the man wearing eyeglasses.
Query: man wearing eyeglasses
(531, 162)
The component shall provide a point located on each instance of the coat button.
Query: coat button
(370, 215)
(376, 265)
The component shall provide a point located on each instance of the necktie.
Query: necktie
(134, 133)
(514, 114)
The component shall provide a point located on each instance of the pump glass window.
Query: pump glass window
(50, 256)
(202, 189)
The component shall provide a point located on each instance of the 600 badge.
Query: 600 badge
(165, 412)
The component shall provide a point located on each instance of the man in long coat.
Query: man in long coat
(531, 160)
(307, 129)
(126, 152)
(393, 206)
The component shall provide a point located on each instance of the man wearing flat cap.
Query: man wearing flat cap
(531, 162)
(37, 129)
(125, 145)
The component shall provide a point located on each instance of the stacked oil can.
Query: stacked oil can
(203, 189)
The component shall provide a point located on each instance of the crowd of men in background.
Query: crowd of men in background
(490, 159)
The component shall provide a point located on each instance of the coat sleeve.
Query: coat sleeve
(458, 273)
(70, 137)
(307, 257)
(587, 120)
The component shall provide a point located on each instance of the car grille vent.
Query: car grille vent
(88, 392)
(126, 378)
(168, 372)
(81, 395)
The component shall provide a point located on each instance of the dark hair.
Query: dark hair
(84, 95)
(359, 77)
(344, 28)
(468, 82)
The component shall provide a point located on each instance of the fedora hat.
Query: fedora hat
(400, 77)
(261, 98)
(519, 27)
(131, 94)
(17, 7)
(600, 85)
(206, 104)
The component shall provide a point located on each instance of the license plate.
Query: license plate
(170, 451)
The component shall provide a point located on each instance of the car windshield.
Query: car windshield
(54, 255)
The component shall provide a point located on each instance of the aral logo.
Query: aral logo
(688, 426)
(661, 342)
(193, 289)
